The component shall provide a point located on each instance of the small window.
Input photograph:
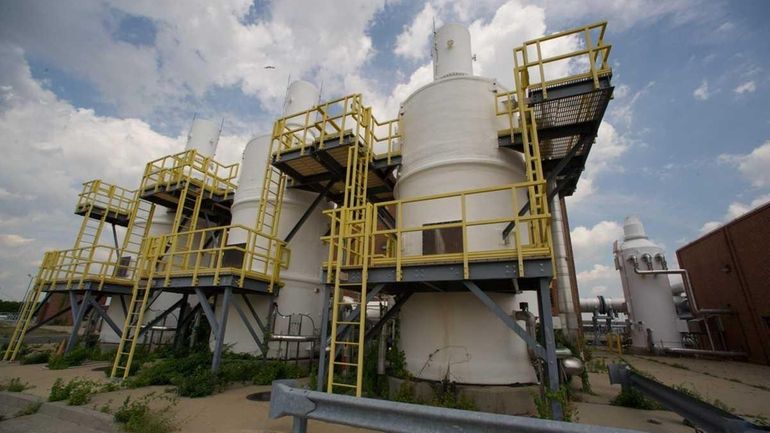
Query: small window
(442, 240)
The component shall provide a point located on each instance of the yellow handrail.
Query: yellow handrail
(204, 253)
(190, 166)
(111, 198)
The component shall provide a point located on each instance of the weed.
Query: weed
(137, 416)
(597, 365)
(30, 409)
(76, 357)
(269, 371)
(15, 385)
(543, 404)
(633, 398)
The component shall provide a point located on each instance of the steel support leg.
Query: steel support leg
(217, 359)
(180, 321)
(321, 380)
(546, 323)
(78, 312)
(299, 425)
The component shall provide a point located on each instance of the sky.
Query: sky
(96, 88)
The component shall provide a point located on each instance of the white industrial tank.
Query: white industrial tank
(300, 294)
(450, 144)
(650, 305)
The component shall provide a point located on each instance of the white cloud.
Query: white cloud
(735, 210)
(754, 166)
(414, 41)
(13, 240)
(608, 148)
(702, 93)
(592, 244)
(50, 148)
(199, 45)
(747, 87)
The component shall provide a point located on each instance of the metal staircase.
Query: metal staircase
(345, 373)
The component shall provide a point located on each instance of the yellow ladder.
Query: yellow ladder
(537, 193)
(27, 312)
(132, 325)
(352, 248)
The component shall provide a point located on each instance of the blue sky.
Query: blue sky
(94, 89)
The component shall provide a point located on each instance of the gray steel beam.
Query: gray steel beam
(400, 301)
(321, 379)
(701, 414)
(355, 313)
(219, 344)
(391, 416)
(549, 341)
(78, 312)
(103, 314)
(309, 211)
(505, 318)
(203, 301)
(248, 303)
(161, 316)
(246, 322)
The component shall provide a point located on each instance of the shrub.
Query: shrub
(76, 357)
(36, 358)
(269, 371)
(201, 383)
(137, 417)
(77, 391)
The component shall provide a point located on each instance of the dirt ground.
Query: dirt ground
(744, 388)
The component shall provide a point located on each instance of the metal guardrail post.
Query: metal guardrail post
(390, 416)
(702, 415)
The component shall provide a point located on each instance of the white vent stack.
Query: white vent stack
(450, 144)
(203, 137)
(650, 305)
(452, 52)
(300, 294)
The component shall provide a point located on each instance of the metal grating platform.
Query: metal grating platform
(215, 207)
(312, 168)
(567, 120)
(119, 218)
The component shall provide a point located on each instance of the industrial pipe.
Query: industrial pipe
(589, 305)
(685, 281)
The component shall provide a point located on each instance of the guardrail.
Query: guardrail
(102, 195)
(702, 415)
(99, 264)
(472, 220)
(211, 252)
(390, 416)
(172, 171)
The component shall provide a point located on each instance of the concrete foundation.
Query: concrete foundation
(508, 400)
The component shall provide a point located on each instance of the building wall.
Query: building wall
(729, 267)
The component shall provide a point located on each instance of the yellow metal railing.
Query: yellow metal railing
(386, 142)
(335, 119)
(338, 119)
(213, 252)
(563, 57)
(469, 213)
(98, 264)
(173, 171)
(102, 195)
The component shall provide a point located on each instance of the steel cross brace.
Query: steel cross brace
(78, 312)
(551, 194)
(218, 327)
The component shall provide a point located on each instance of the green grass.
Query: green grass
(631, 397)
(78, 391)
